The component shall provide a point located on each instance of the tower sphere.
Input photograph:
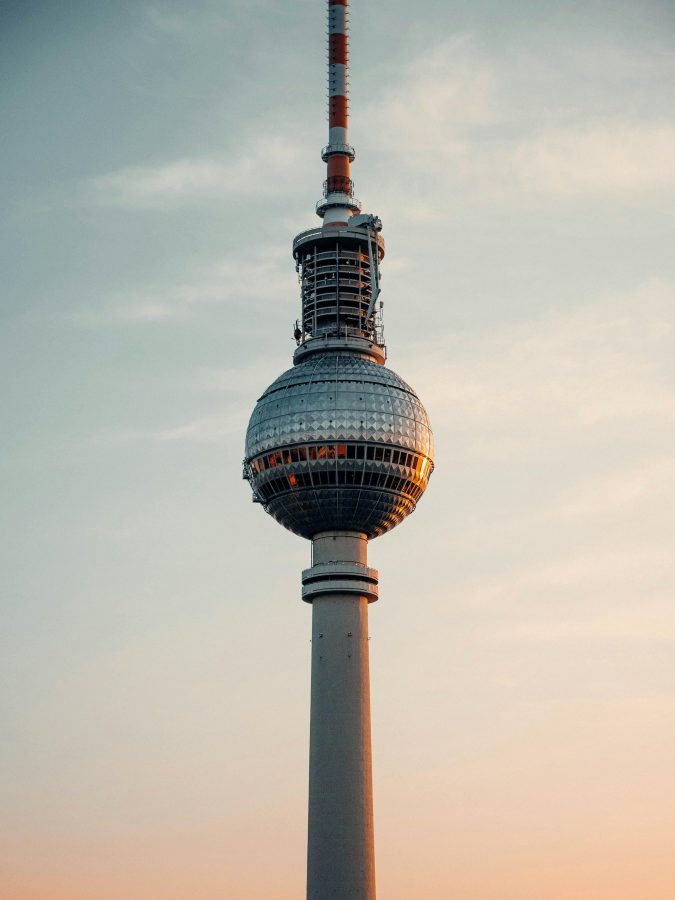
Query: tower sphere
(339, 442)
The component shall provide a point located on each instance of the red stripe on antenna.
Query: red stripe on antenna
(337, 49)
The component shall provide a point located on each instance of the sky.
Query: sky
(156, 161)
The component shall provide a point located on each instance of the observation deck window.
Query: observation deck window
(287, 456)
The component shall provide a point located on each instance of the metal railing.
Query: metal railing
(335, 149)
(337, 199)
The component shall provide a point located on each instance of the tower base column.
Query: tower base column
(340, 848)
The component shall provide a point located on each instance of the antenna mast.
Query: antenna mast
(338, 203)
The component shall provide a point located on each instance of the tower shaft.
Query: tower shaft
(340, 856)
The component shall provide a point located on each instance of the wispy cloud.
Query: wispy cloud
(585, 591)
(477, 120)
(589, 368)
(212, 18)
(165, 22)
(613, 157)
(126, 310)
(217, 428)
(256, 170)
(268, 275)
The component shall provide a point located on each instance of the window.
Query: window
(274, 459)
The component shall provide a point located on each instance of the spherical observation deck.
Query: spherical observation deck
(338, 443)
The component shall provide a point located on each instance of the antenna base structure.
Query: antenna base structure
(339, 273)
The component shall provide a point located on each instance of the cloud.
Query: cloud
(212, 429)
(653, 624)
(269, 275)
(447, 91)
(127, 311)
(563, 428)
(607, 157)
(256, 171)
(611, 493)
(199, 20)
(621, 591)
(589, 369)
(482, 123)
(165, 22)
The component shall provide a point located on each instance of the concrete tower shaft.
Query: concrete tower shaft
(340, 847)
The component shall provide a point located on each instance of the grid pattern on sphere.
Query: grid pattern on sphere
(339, 397)
(372, 512)
(339, 442)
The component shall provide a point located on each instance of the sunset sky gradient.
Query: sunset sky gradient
(156, 161)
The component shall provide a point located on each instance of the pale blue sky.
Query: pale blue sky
(156, 161)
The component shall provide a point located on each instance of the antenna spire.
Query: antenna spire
(338, 203)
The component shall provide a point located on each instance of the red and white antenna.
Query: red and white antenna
(338, 203)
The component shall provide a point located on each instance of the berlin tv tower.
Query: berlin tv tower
(339, 450)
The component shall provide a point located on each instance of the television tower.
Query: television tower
(339, 450)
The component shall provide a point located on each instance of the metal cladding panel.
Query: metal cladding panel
(334, 398)
(337, 509)
(341, 395)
